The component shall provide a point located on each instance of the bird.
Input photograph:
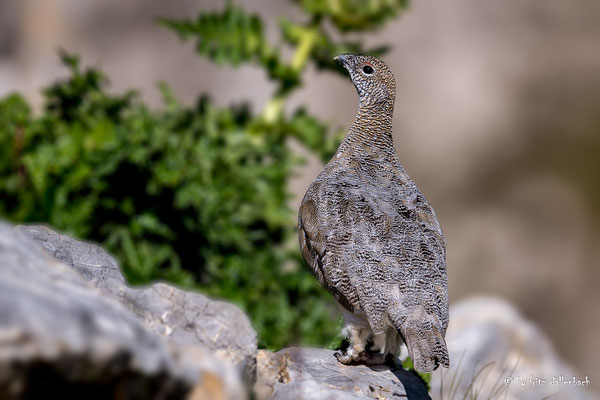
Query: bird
(372, 240)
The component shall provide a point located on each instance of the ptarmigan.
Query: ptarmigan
(372, 240)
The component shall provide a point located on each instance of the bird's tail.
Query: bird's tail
(424, 339)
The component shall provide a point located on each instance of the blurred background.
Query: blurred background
(497, 120)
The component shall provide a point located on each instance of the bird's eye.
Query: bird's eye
(367, 69)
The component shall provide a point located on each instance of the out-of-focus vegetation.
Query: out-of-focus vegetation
(194, 195)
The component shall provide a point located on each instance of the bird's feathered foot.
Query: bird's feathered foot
(364, 357)
(350, 357)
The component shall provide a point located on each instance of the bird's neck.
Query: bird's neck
(371, 131)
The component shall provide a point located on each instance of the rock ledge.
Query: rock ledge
(308, 373)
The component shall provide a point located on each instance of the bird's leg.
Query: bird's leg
(392, 346)
(393, 342)
(358, 331)
(384, 348)
(355, 353)
(379, 342)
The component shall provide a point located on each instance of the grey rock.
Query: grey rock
(517, 361)
(60, 336)
(307, 373)
(218, 379)
(185, 318)
(88, 259)
(188, 318)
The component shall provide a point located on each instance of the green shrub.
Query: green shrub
(194, 195)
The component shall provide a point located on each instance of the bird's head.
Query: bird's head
(373, 79)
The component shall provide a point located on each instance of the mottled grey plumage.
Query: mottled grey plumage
(370, 237)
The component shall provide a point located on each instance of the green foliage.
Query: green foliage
(349, 15)
(194, 195)
(232, 36)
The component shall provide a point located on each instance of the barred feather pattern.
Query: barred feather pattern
(368, 234)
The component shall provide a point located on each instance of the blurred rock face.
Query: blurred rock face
(185, 318)
(61, 337)
(496, 353)
(497, 120)
(76, 329)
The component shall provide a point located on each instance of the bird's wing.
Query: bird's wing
(315, 243)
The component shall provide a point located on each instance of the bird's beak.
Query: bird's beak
(343, 59)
